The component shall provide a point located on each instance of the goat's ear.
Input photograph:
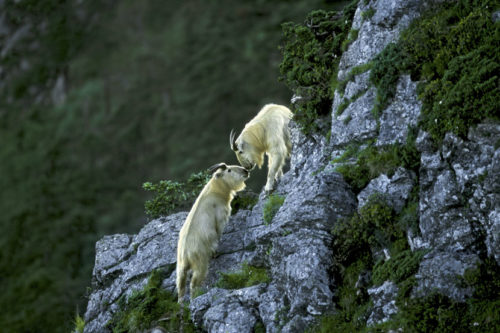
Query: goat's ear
(218, 174)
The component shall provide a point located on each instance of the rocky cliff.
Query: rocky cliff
(455, 187)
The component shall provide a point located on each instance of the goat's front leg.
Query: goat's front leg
(275, 165)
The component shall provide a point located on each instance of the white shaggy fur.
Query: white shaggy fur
(266, 133)
(200, 234)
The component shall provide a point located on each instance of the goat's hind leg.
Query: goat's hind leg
(199, 275)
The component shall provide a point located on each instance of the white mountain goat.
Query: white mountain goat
(204, 224)
(266, 133)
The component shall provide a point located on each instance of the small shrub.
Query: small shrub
(398, 268)
(246, 277)
(409, 216)
(372, 228)
(171, 196)
(144, 309)
(244, 200)
(259, 327)
(273, 204)
(79, 324)
(310, 56)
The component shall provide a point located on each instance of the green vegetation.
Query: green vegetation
(398, 268)
(171, 196)
(272, 206)
(374, 227)
(453, 51)
(368, 13)
(360, 69)
(244, 200)
(353, 35)
(259, 327)
(356, 240)
(79, 324)
(149, 307)
(373, 161)
(310, 57)
(346, 102)
(247, 276)
(386, 69)
(438, 313)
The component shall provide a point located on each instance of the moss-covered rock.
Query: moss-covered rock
(151, 306)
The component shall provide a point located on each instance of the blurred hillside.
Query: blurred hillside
(97, 97)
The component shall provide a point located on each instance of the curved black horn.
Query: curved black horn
(216, 167)
(232, 140)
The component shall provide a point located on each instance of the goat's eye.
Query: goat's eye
(229, 170)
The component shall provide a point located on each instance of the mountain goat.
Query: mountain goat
(266, 133)
(200, 234)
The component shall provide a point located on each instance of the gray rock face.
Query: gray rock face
(401, 114)
(396, 190)
(294, 247)
(356, 123)
(374, 34)
(459, 205)
(384, 303)
(459, 191)
(439, 272)
(123, 264)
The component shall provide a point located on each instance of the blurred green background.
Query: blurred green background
(98, 97)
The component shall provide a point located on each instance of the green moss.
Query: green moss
(360, 69)
(350, 152)
(79, 324)
(171, 196)
(247, 276)
(151, 306)
(310, 57)
(281, 316)
(271, 207)
(346, 102)
(387, 67)
(352, 36)
(368, 13)
(259, 327)
(374, 161)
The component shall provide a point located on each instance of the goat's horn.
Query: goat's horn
(232, 140)
(217, 166)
